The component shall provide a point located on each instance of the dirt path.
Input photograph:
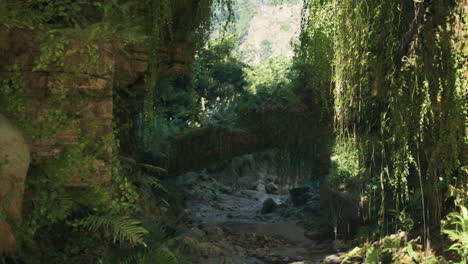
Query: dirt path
(240, 234)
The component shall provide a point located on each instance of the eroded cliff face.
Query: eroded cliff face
(86, 88)
(59, 93)
(79, 75)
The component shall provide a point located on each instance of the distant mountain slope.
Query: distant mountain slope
(270, 31)
(265, 27)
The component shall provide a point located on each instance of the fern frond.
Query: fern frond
(139, 258)
(165, 256)
(152, 181)
(63, 204)
(162, 255)
(457, 231)
(119, 227)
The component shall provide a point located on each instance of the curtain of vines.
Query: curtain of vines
(401, 95)
(176, 28)
(301, 152)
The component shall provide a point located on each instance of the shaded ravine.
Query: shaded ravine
(234, 224)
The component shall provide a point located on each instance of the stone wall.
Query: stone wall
(87, 75)
(89, 99)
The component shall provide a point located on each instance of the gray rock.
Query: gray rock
(196, 232)
(226, 190)
(215, 231)
(334, 259)
(269, 206)
(272, 188)
(246, 182)
(240, 250)
(261, 187)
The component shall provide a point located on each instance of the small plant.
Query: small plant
(402, 220)
(389, 249)
(456, 227)
(345, 171)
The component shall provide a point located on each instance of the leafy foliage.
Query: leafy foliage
(345, 170)
(395, 74)
(183, 25)
(457, 230)
(397, 97)
(271, 79)
(118, 227)
(391, 249)
(220, 76)
(161, 255)
(204, 97)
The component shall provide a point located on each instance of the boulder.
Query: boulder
(226, 189)
(14, 164)
(269, 206)
(272, 188)
(197, 233)
(261, 187)
(248, 181)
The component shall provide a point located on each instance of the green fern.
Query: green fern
(119, 227)
(63, 204)
(373, 255)
(165, 256)
(412, 253)
(150, 181)
(458, 233)
(162, 255)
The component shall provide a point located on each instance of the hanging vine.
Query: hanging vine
(176, 29)
(401, 95)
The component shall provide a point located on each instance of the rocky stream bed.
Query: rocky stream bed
(251, 227)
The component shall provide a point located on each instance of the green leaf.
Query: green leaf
(354, 252)
(373, 255)
(412, 254)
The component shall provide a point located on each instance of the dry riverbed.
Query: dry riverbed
(231, 228)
